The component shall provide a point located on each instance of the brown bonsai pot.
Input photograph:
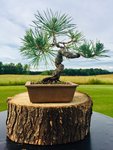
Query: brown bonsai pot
(39, 93)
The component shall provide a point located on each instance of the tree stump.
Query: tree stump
(48, 123)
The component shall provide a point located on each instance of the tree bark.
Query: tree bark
(59, 66)
(50, 123)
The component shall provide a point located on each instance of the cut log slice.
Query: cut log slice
(48, 123)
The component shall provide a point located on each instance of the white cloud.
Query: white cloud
(9, 32)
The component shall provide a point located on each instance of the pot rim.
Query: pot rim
(69, 84)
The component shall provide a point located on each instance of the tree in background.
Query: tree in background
(19, 68)
(12, 68)
(1, 67)
(54, 37)
(9, 68)
(26, 69)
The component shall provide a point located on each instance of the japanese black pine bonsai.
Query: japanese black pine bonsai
(53, 37)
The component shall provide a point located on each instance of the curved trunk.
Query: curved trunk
(59, 66)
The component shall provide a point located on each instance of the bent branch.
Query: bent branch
(59, 66)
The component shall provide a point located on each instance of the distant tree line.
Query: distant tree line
(18, 68)
(12, 68)
(85, 72)
(81, 72)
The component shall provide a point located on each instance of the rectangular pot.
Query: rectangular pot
(50, 93)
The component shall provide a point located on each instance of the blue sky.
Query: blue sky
(94, 18)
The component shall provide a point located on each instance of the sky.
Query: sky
(94, 18)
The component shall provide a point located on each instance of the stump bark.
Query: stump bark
(48, 123)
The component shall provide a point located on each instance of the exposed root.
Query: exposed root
(50, 80)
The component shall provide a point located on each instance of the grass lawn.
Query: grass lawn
(8, 91)
(102, 96)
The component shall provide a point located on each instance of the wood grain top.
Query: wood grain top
(23, 100)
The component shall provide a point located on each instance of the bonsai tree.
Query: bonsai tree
(53, 37)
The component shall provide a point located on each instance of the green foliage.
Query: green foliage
(75, 36)
(47, 72)
(12, 68)
(92, 50)
(53, 22)
(24, 69)
(79, 72)
(1, 67)
(36, 47)
(95, 81)
(49, 30)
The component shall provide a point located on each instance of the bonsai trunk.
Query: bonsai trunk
(59, 66)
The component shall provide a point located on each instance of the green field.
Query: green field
(21, 79)
(100, 88)
(8, 91)
(102, 96)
